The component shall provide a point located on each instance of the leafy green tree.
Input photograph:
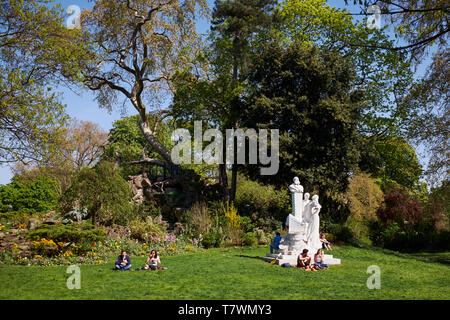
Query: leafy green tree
(30, 113)
(392, 160)
(129, 148)
(429, 127)
(308, 95)
(383, 76)
(365, 197)
(39, 195)
(139, 45)
(102, 191)
(234, 25)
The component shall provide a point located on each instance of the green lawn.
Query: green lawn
(236, 273)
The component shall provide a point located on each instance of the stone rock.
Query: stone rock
(33, 223)
(178, 228)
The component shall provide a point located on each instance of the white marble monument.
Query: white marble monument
(303, 232)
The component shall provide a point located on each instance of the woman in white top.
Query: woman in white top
(318, 260)
(153, 261)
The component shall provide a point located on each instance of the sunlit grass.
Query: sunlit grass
(236, 273)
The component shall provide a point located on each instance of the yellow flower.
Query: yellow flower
(68, 254)
(2, 227)
(37, 256)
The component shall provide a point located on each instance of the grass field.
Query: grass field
(237, 273)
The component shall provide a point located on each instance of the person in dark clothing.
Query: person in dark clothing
(123, 261)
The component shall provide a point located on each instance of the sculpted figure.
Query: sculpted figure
(296, 186)
(296, 190)
(306, 201)
(313, 235)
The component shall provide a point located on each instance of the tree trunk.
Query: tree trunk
(223, 180)
(233, 182)
(153, 141)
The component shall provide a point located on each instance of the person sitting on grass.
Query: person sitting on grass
(304, 261)
(123, 261)
(325, 242)
(153, 261)
(275, 243)
(318, 260)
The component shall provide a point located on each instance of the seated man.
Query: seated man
(304, 261)
(123, 261)
(275, 243)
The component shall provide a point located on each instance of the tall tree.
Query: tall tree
(30, 113)
(309, 96)
(393, 160)
(139, 46)
(235, 25)
(429, 127)
(384, 76)
(79, 145)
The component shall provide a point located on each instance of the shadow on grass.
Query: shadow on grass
(250, 257)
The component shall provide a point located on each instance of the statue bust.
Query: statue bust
(296, 187)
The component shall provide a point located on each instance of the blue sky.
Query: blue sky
(84, 106)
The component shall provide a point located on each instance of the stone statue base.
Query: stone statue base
(295, 243)
(304, 223)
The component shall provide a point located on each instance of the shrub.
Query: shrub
(233, 223)
(249, 239)
(263, 237)
(143, 230)
(214, 238)
(365, 197)
(75, 214)
(340, 232)
(72, 233)
(39, 195)
(261, 201)
(198, 220)
(269, 224)
(101, 190)
(247, 224)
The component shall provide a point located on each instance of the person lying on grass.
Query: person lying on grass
(123, 261)
(318, 260)
(304, 261)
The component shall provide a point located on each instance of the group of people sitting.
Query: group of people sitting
(304, 261)
(123, 262)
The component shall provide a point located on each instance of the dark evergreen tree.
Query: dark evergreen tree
(308, 95)
(235, 24)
